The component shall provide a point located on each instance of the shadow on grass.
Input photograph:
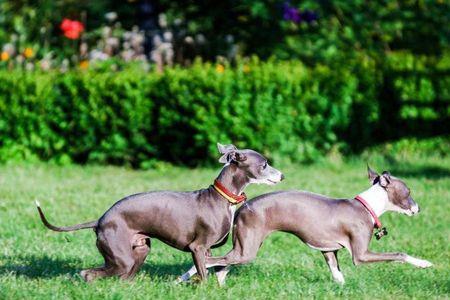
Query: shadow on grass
(165, 270)
(38, 266)
(48, 267)
(407, 169)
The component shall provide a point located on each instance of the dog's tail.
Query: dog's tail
(92, 224)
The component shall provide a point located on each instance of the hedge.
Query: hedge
(283, 109)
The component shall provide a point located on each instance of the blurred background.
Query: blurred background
(137, 83)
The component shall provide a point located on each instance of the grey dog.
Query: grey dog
(323, 223)
(189, 221)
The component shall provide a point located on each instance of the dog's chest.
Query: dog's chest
(231, 210)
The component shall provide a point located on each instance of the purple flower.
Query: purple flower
(293, 14)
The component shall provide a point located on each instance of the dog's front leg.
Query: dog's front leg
(361, 254)
(192, 271)
(369, 257)
(199, 257)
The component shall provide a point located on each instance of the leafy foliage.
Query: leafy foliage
(315, 31)
(291, 111)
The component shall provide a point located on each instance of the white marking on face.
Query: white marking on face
(270, 176)
(420, 263)
(391, 207)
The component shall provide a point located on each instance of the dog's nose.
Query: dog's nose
(282, 177)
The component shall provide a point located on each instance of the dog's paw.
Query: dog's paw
(420, 263)
(221, 279)
(180, 280)
(424, 264)
(196, 279)
(87, 275)
(339, 279)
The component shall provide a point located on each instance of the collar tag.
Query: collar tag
(381, 232)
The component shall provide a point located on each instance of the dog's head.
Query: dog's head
(399, 195)
(251, 163)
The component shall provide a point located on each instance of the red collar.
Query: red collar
(231, 197)
(370, 210)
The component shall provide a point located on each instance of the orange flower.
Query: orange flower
(246, 68)
(28, 52)
(220, 68)
(84, 64)
(4, 56)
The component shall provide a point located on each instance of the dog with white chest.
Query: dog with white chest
(323, 223)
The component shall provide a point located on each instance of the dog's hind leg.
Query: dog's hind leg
(141, 248)
(221, 274)
(116, 248)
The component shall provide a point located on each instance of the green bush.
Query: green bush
(284, 109)
(83, 117)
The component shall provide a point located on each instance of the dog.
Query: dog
(189, 221)
(323, 223)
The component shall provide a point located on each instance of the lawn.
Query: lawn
(36, 263)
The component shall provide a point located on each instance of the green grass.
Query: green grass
(36, 263)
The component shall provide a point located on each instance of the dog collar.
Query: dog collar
(370, 210)
(381, 231)
(231, 197)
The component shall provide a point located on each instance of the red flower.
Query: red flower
(71, 29)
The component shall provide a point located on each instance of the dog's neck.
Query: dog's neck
(377, 197)
(233, 179)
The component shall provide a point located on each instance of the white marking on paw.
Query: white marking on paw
(221, 275)
(186, 276)
(337, 275)
(420, 263)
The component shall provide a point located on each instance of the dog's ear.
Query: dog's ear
(385, 179)
(224, 149)
(372, 175)
(239, 156)
(233, 155)
(228, 151)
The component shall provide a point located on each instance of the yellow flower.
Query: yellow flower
(4, 56)
(28, 52)
(220, 68)
(84, 64)
(246, 68)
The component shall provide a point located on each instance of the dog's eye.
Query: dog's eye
(265, 165)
